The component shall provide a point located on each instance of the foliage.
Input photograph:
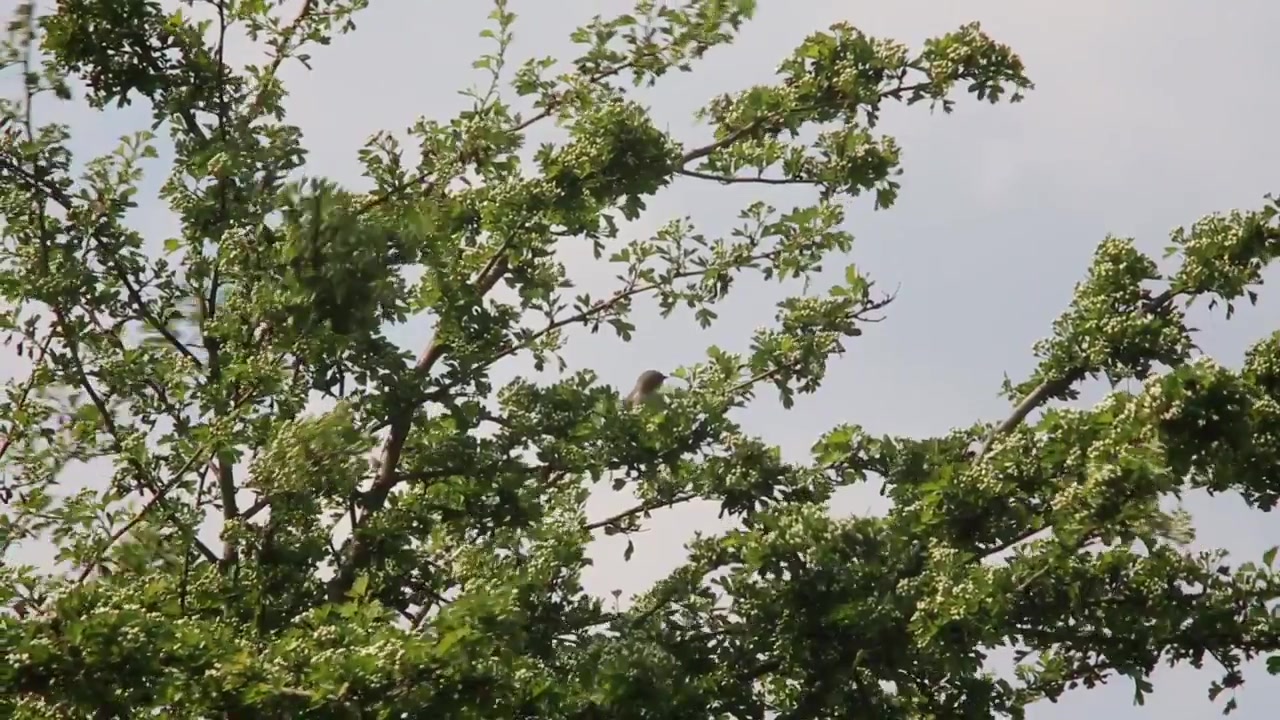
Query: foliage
(188, 363)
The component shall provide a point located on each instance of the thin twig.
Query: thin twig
(605, 305)
(642, 508)
(734, 136)
(282, 52)
(24, 394)
(120, 532)
(553, 104)
(738, 389)
(735, 180)
(56, 194)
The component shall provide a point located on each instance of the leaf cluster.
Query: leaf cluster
(295, 517)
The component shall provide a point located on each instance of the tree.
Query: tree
(415, 549)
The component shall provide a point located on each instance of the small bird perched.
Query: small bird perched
(646, 388)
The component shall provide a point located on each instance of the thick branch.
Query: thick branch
(722, 143)
(401, 422)
(226, 471)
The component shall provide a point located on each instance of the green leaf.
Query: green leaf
(451, 639)
(359, 587)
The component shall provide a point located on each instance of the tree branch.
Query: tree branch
(56, 194)
(1052, 387)
(641, 509)
(155, 500)
(282, 52)
(734, 180)
(145, 310)
(401, 422)
(734, 136)
(226, 469)
(18, 405)
(606, 305)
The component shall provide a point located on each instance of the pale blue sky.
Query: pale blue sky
(1146, 115)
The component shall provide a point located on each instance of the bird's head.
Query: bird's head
(651, 379)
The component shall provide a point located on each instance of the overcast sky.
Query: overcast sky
(1146, 116)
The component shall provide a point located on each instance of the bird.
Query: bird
(646, 388)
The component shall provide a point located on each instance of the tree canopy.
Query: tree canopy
(415, 547)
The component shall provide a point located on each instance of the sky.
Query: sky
(1146, 115)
